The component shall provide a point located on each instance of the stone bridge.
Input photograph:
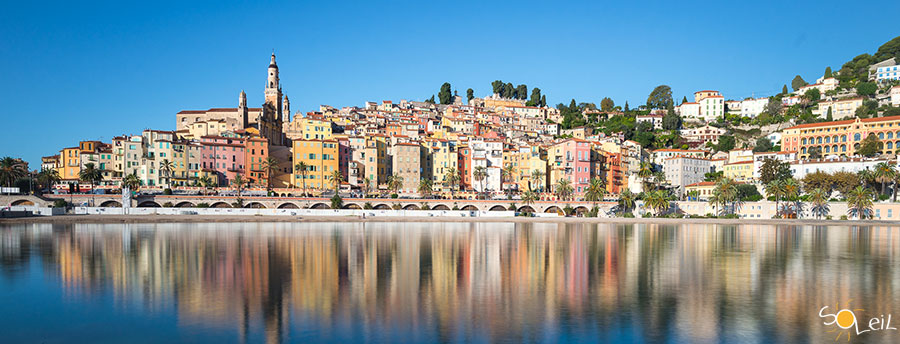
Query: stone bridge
(191, 201)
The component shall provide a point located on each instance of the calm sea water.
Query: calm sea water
(443, 282)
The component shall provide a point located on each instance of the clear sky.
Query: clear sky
(73, 71)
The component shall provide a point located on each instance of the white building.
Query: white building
(887, 73)
(753, 107)
(706, 133)
(659, 155)
(800, 168)
(683, 170)
(654, 119)
(712, 108)
(688, 110)
(895, 95)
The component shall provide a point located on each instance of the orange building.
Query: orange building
(256, 153)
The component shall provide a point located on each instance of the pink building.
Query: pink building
(224, 155)
(571, 159)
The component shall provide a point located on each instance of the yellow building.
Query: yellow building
(309, 129)
(321, 159)
(69, 163)
(841, 137)
(741, 171)
(524, 163)
(440, 158)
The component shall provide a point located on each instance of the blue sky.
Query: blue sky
(72, 71)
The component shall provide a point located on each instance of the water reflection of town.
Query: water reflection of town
(464, 282)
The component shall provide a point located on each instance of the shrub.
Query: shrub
(396, 206)
(568, 210)
(393, 195)
(629, 215)
(368, 206)
(843, 217)
(60, 204)
(202, 205)
(167, 205)
(729, 216)
(512, 207)
(883, 197)
(167, 191)
(828, 217)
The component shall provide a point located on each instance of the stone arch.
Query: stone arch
(499, 208)
(526, 209)
(148, 204)
(288, 205)
(184, 204)
(23, 202)
(440, 207)
(553, 209)
(383, 206)
(581, 210)
(470, 207)
(320, 206)
(411, 207)
(255, 205)
(352, 206)
(220, 205)
(111, 204)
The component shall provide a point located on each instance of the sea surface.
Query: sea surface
(446, 282)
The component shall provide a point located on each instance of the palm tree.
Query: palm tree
(303, 169)
(645, 171)
(479, 174)
(425, 187)
(563, 189)
(883, 173)
(595, 191)
(507, 173)
(10, 170)
(451, 178)
(626, 201)
(726, 192)
(866, 177)
(270, 165)
(693, 194)
(167, 168)
(792, 193)
(133, 183)
(658, 201)
(206, 182)
(859, 203)
(529, 197)
(819, 200)
(366, 187)
(47, 178)
(538, 177)
(659, 178)
(394, 183)
(775, 189)
(336, 179)
(239, 182)
(91, 175)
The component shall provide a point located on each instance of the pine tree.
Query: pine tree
(828, 73)
(784, 89)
